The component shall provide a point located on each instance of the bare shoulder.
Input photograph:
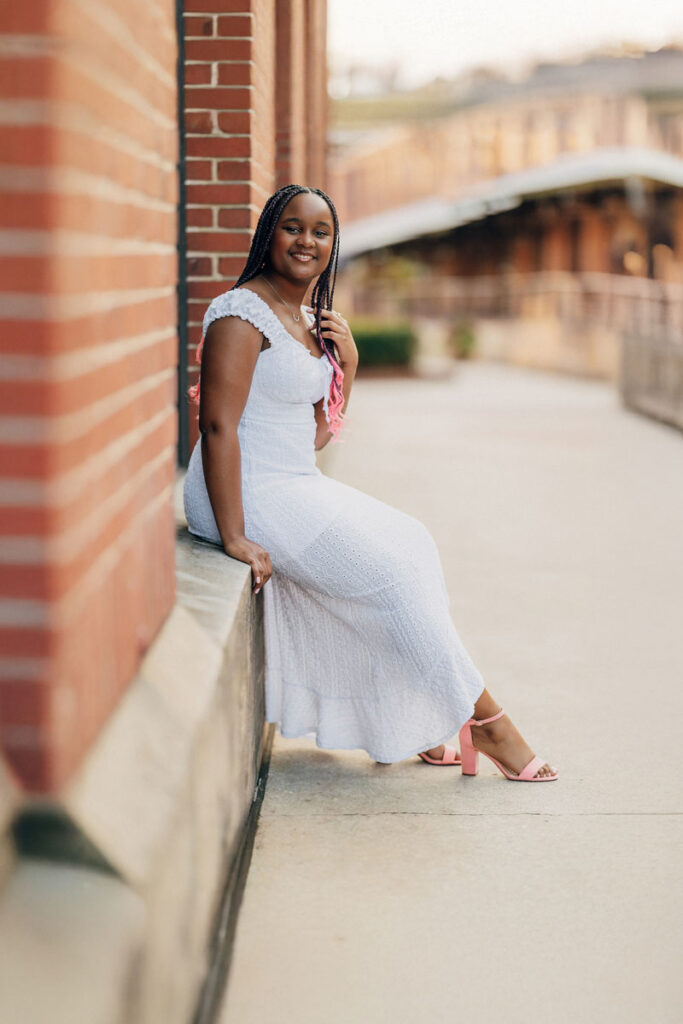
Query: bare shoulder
(229, 337)
(231, 350)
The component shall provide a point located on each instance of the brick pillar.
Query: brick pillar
(291, 93)
(316, 93)
(87, 383)
(250, 65)
(593, 240)
(556, 246)
(229, 126)
(523, 253)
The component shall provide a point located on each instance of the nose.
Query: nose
(306, 239)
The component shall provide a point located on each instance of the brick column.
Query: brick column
(88, 374)
(316, 93)
(593, 240)
(291, 93)
(230, 131)
(255, 118)
(556, 245)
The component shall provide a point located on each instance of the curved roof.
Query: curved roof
(573, 171)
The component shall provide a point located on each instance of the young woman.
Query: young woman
(360, 647)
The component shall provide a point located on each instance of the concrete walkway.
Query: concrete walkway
(405, 893)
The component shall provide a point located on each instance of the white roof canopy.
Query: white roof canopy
(572, 171)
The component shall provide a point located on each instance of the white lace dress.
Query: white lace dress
(360, 647)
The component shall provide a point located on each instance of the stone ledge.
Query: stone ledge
(70, 940)
(148, 829)
(10, 801)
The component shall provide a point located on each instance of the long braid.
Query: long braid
(260, 243)
(323, 292)
(322, 298)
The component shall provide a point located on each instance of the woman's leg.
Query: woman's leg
(499, 738)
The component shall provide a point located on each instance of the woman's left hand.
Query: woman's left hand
(334, 328)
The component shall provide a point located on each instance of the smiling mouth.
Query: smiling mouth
(302, 257)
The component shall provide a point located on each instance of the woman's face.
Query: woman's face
(303, 238)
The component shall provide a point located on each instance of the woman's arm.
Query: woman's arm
(334, 326)
(231, 348)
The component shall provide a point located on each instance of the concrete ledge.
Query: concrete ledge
(147, 833)
(69, 946)
(10, 801)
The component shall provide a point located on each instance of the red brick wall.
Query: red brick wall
(255, 118)
(88, 375)
(89, 321)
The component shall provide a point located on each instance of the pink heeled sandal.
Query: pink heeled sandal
(470, 756)
(450, 756)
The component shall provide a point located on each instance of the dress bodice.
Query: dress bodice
(288, 379)
(276, 429)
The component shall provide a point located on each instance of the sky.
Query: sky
(446, 37)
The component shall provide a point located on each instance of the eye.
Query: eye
(323, 234)
(290, 228)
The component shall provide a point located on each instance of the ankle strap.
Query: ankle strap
(485, 721)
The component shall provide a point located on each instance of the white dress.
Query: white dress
(360, 647)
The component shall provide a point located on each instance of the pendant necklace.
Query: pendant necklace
(272, 286)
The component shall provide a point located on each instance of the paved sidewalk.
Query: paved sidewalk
(404, 893)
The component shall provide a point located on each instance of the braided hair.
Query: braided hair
(323, 292)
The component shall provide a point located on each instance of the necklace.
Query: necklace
(294, 316)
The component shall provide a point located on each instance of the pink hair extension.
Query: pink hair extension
(193, 391)
(335, 416)
(335, 400)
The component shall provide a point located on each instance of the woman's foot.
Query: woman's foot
(441, 755)
(502, 740)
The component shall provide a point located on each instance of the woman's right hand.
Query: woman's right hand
(255, 556)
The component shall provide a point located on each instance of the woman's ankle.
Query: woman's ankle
(485, 707)
(494, 732)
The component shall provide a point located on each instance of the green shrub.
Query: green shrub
(383, 342)
(463, 339)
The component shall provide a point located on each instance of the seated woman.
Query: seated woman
(360, 646)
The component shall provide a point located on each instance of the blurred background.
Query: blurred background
(509, 178)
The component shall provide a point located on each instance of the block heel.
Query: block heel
(470, 756)
(468, 752)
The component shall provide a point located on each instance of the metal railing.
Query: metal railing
(646, 314)
(614, 300)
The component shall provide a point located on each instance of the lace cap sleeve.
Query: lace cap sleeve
(249, 306)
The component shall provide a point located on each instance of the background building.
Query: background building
(449, 137)
(546, 214)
